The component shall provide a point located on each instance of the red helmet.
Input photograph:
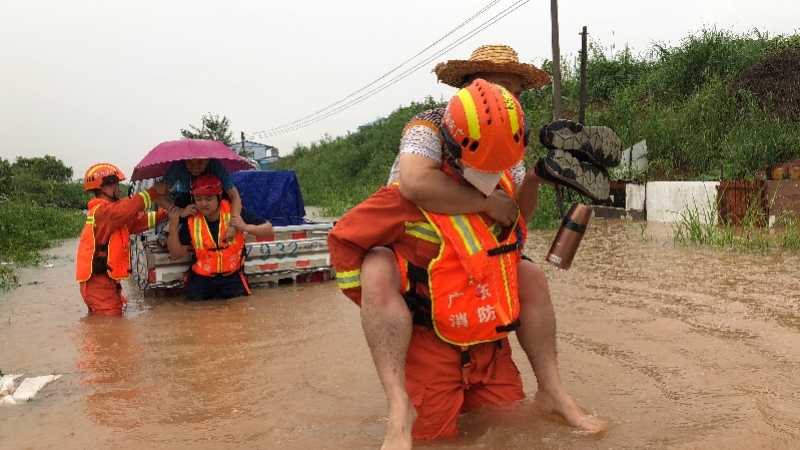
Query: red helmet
(485, 128)
(207, 185)
(101, 174)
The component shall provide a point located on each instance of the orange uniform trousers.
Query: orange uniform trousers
(435, 382)
(103, 295)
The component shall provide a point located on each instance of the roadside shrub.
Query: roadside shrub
(5, 177)
(68, 195)
(710, 54)
(26, 228)
(44, 181)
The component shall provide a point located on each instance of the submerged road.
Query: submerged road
(678, 348)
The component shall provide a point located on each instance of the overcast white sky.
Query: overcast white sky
(99, 80)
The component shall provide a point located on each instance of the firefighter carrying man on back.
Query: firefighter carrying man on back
(103, 251)
(458, 272)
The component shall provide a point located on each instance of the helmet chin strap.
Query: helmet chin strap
(113, 199)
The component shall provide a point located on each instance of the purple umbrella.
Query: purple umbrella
(159, 159)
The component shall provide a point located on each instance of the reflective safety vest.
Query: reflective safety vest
(213, 259)
(112, 257)
(473, 281)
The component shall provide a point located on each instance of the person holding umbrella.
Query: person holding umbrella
(182, 174)
(179, 163)
(218, 265)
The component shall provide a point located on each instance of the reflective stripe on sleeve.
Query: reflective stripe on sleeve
(90, 216)
(349, 280)
(148, 203)
(424, 231)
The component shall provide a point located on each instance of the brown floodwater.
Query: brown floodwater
(674, 347)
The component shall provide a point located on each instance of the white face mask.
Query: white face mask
(485, 182)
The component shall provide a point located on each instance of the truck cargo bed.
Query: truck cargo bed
(297, 253)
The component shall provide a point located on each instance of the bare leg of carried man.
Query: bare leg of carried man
(537, 337)
(387, 326)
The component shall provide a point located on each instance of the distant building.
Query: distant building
(377, 121)
(264, 155)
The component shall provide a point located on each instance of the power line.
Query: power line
(484, 9)
(322, 114)
(301, 124)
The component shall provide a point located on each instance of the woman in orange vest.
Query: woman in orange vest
(103, 255)
(217, 267)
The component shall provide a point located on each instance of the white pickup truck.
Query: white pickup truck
(298, 252)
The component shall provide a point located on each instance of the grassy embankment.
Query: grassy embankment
(696, 227)
(39, 206)
(689, 102)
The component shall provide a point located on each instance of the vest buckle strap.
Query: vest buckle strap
(422, 319)
(416, 302)
(504, 249)
(100, 264)
(420, 308)
(417, 274)
(508, 328)
(466, 359)
(466, 364)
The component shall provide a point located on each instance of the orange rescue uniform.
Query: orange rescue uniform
(215, 259)
(434, 378)
(100, 287)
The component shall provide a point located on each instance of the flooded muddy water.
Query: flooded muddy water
(674, 347)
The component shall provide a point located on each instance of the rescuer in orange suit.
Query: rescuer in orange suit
(218, 265)
(103, 251)
(458, 274)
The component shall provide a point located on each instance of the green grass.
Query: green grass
(697, 227)
(26, 229)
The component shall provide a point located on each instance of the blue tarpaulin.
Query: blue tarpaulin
(272, 194)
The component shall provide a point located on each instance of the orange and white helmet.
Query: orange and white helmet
(100, 174)
(484, 127)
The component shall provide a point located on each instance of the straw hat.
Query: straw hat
(491, 58)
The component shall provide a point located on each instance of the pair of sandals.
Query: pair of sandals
(579, 157)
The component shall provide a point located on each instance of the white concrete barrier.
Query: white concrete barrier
(669, 201)
(635, 195)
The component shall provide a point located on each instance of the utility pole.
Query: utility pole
(556, 62)
(582, 107)
(244, 153)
